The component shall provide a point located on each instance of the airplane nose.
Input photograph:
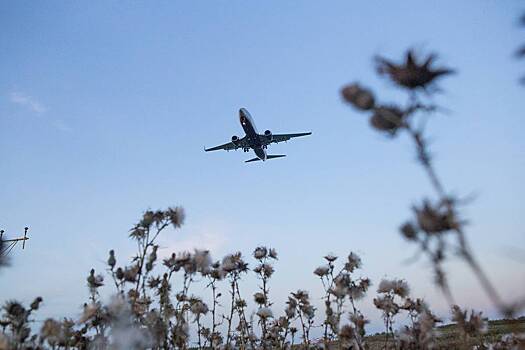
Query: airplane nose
(241, 112)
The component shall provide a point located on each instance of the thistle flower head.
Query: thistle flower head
(302, 296)
(234, 263)
(89, 311)
(93, 281)
(14, 310)
(412, 73)
(51, 331)
(387, 118)
(198, 307)
(386, 304)
(176, 216)
(322, 271)
(358, 96)
(359, 322)
(473, 326)
(202, 260)
(112, 261)
(240, 303)
(264, 313)
(353, 262)
(398, 287)
(330, 257)
(435, 219)
(347, 335)
(36, 303)
(260, 253)
(260, 298)
(409, 231)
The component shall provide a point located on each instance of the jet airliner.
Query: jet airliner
(253, 140)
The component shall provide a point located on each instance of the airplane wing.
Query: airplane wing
(229, 146)
(276, 138)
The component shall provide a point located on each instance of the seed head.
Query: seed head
(358, 96)
(176, 216)
(260, 253)
(260, 298)
(353, 262)
(408, 231)
(322, 271)
(387, 118)
(36, 303)
(265, 313)
(412, 74)
(330, 257)
(111, 260)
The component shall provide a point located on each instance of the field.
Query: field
(448, 335)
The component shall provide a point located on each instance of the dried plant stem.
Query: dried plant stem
(230, 317)
(244, 323)
(464, 249)
(144, 245)
(214, 308)
(328, 301)
(199, 329)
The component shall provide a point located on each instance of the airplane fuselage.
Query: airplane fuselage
(251, 132)
(254, 140)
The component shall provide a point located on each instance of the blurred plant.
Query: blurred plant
(469, 327)
(520, 53)
(150, 311)
(3, 247)
(420, 334)
(434, 220)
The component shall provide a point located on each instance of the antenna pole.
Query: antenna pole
(25, 237)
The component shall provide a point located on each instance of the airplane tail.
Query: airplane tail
(270, 156)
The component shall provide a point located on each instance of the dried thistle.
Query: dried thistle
(413, 73)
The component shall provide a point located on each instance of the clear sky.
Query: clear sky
(105, 108)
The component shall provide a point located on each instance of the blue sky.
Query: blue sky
(105, 108)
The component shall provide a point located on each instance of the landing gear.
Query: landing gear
(246, 149)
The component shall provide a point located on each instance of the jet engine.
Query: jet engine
(268, 135)
(235, 140)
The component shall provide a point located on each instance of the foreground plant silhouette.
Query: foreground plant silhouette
(153, 307)
(436, 227)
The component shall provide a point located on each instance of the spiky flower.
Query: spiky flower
(412, 73)
(435, 219)
(330, 257)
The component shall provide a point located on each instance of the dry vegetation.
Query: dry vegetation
(150, 310)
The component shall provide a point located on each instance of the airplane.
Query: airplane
(253, 140)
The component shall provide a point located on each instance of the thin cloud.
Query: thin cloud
(27, 101)
(60, 125)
